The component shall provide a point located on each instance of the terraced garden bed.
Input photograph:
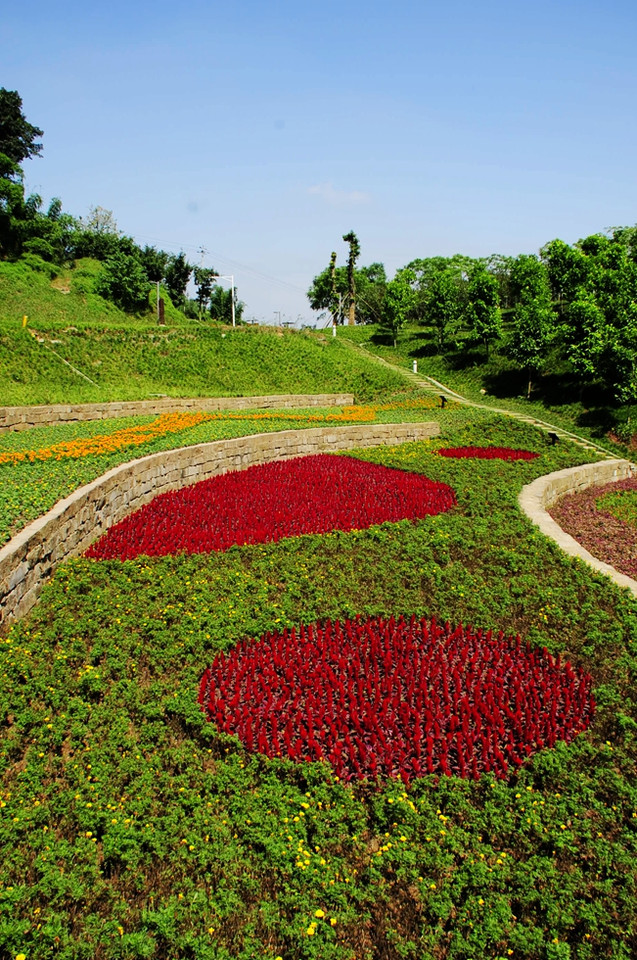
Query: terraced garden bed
(135, 825)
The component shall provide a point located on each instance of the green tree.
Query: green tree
(500, 267)
(329, 291)
(483, 311)
(354, 253)
(428, 270)
(98, 235)
(599, 329)
(204, 277)
(534, 326)
(568, 270)
(124, 282)
(221, 305)
(178, 272)
(17, 136)
(398, 301)
(17, 143)
(443, 304)
(154, 263)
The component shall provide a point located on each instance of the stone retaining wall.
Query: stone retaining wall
(21, 418)
(536, 497)
(67, 530)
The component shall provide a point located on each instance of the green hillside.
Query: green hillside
(589, 410)
(79, 348)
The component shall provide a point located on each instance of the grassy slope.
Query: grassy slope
(498, 383)
(131, 829)
(133, 358)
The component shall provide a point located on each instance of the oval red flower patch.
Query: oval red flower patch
(264, 503)
(487, 453)
(396, 698)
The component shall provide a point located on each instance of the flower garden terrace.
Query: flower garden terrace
(134, 825)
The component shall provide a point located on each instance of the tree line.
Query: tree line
(40, 236)
(574, 303)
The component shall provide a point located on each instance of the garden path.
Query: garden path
(434, 386)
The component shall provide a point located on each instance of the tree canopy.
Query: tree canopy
(18, 137)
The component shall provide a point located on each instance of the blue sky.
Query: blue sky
(263, 132)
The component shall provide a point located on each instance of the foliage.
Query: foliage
(443, 304)
(427, 272)
(329, 292)
(483, 310)
(154, 263)
(131, 827)
(600, 322)
(98, 236)
(177, 275)
(18, 137)
(124, 281)
(221, 305)
(533, 320)
(398, 302)
(204, 278)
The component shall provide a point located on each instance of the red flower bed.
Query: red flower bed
(265, 503)
(487, 453)
(396, 698)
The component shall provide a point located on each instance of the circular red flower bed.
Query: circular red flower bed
(264, 503)
(487, 453)
(396, 698)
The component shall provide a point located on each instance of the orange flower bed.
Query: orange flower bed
(108, 443)
(177, 422)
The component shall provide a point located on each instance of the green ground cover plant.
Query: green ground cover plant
(131, 828)
(622, 505)
(131, 360)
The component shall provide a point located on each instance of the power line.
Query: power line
(223, 259)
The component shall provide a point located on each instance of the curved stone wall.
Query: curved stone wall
(30, 558)
(535, 497)
(21, 418)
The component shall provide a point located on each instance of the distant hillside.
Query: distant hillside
(116, 357)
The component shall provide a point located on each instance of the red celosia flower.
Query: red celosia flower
(487, 453)
(396, 698)
(264, 503)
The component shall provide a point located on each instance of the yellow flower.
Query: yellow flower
(319, 914)
(311, 930)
